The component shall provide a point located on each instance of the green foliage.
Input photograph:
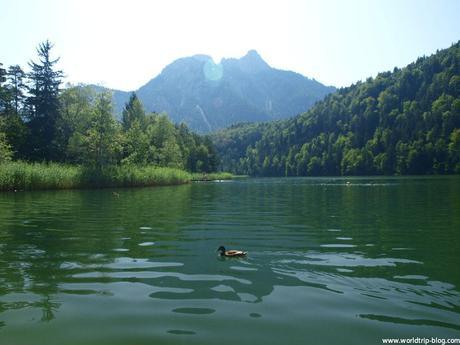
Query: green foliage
(4, 92)
(236, 142)
(162, 136)
(153, 139)
(91, 136)
(100, 144)
(137, 148)
(133, 112)
(454, 150)
(16, 133)
(26, 176)
(43, 105)
(404, 122)
(5, 148)
(12, 108)
(76, 126)
(76, 108)
(16, 77)
(198, 152)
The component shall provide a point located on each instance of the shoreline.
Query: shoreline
(22, 176)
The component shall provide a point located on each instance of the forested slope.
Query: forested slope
(402, 122)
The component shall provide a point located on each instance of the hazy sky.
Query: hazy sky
(124, 43)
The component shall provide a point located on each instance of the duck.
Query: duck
(230, 253)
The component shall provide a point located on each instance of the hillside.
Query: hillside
(208, 96)
(402, 122)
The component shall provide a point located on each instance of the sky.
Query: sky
(122, 44)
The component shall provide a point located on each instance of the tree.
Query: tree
(15, 128)
(101, 142)
(133, 111)
(4, 93)
(5, 148)
(162, 136)
(16, 78)
(454, 150)
(136, 146)
(43, 100)
(212, 160)
(76, 111)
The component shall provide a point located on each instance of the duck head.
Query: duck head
(221, 250)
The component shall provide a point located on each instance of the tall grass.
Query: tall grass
(32, 176)
(27, 176)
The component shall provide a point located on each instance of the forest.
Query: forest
(42, 122)
(402, 122)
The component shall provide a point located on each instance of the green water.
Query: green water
(331, 261)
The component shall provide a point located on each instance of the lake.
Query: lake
(330, 261)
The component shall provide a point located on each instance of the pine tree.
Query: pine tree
(134, 111)
(44, 105)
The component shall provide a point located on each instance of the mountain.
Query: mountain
(402, 122)
(208, 96)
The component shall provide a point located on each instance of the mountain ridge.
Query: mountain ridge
(208, 96)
